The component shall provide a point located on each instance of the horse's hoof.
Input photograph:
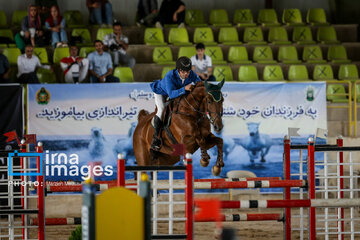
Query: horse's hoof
(215, 170)
(204, 163)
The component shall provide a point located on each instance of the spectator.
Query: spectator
(4, 69)
(117, 43)
(44, 8)
(100, 12)
(27, 64)
(100, 65)
(202, 64)
(147, 12)
(56, 24)
(171, 12)
(75, 68)
(31, 30)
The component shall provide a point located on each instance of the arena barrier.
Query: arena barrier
(305, 183)
(15, 202)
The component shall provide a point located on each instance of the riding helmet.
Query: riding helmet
(183, 63)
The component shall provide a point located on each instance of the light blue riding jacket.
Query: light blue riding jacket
(171, 85)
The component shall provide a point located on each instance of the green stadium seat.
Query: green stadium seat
(102, 32)
(268, 18)
(179, 37)
(45, 76)
(17, 17)
(238, 55)
(278, 36)
(292, 17)
(288, 55)
(356, 92)
(243, 18)
(313, 54)
(74, 19)
(187, 52)
(216, 54)
(298, 73)
(302, 35)
(219, 18)
(263, 54)
(84, 51)
(248, 74)
(205, 36)
(84, 33)
(7, 33)
(337, 54)
(327, 35)
(154, 37)
(336, 93)
(125, 74)
(348, 72)
(163, 55)
(323, 72)
(273, 73)
(12, 55)
(60, 53)
(165, 70)
(171, 25)
(41, 53)
(254, 36)
(229, 36)
(223, 72)
(316, 17)
(3, 20)
(194, 18)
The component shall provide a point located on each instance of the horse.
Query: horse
(256, 143)
(190, 117)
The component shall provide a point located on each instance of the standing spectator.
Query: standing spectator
(75, 68)
(147, 12)
(171, 12)
(118, 43)
(4, 69)
(100, 65)
(31, 30)
(202, 64)
(27, 64)
(56, 24)
(44, 8)
(100, 12)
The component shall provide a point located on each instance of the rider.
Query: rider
(175, 83)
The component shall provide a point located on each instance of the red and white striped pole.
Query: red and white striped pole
(189, 197)
(121, 170)
(311, 182)
(339, 142)
(287, 192)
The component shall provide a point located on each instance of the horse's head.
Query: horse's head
(253, 128)
(214, 104)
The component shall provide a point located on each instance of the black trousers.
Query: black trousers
(28, 78)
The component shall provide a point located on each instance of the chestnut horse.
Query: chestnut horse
(191, 115)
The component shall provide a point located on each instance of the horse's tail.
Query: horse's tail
(143, 113)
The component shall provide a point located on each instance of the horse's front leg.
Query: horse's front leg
(210, 141)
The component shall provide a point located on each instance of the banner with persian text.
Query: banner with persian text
(82, 123)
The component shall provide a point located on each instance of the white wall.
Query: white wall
(125, 10)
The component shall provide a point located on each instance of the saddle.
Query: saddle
(167, 115)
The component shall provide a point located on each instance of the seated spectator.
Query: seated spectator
(4, 69)
(147, 12)
(100, 12)
(75, 68)
(44, 8)
(117, 43)
(27, 64)
(56, 24)
(100, 65)
(201, 63)
(171, 12)
(31, 30)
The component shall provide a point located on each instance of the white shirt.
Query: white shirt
(110, 39)
(28, 65)
(201, 66)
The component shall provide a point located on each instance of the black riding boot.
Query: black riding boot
(156, 142)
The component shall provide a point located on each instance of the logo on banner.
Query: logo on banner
(42, 96)
(310, 94)
(25, 154)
